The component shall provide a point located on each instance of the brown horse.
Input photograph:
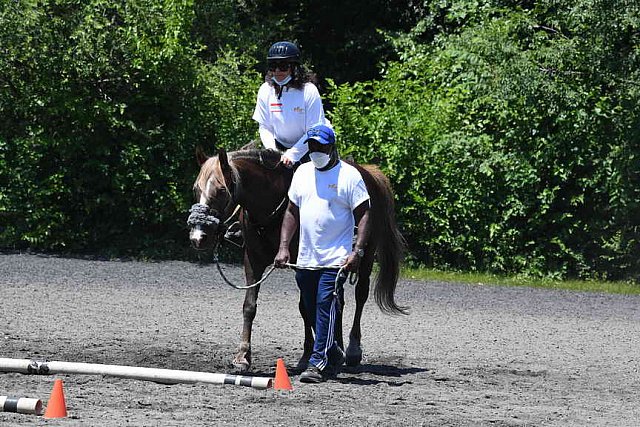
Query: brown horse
(257, 182)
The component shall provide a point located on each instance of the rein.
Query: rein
(228, 282)
(352, 278)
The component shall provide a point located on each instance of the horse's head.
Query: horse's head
(215, 203)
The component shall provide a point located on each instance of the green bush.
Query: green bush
(512, 141)
(102, 106)
(509, 129)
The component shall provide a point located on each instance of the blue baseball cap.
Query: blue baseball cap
(321, 133)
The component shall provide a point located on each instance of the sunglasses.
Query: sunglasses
(282, 66)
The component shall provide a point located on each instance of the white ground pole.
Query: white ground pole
(21, 405)
(164, 376)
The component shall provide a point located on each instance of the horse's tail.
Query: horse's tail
(386, 237)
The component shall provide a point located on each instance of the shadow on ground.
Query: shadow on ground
(381, 370)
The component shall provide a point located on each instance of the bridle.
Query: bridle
(202, 215)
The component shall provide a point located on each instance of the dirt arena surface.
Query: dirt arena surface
(467, 355)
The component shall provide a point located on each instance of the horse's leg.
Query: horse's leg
(242, 360)
(308, 336)
(354, 351)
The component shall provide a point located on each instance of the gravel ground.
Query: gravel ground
(467, 355)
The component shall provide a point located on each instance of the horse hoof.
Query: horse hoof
(354, 353)
(353, 360)
(241, 365)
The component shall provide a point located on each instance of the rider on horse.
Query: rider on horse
(288, 103)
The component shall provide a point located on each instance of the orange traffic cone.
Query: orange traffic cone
(57, 407)
(282, 381)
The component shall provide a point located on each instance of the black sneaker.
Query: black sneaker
(312, 375)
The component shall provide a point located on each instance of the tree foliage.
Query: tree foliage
(512, 140)
(509, 128)
(102, 105)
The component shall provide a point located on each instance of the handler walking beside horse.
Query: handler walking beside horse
(258, 182)
(327, 198)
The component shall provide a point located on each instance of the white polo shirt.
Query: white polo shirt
(326, 200)
(291, 116)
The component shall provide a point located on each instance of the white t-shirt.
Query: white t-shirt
(290, 117)
(326, 200)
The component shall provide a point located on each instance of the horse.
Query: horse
(257, 182)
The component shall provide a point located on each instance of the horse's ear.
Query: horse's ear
(201, 156)
(224, 166)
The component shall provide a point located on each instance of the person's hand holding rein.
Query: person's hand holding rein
(352, 263)
(282, 258)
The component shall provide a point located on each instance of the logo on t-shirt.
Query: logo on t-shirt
(298, 110)
(333, 186)
(275, 107)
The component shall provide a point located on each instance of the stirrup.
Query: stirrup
(233, 234)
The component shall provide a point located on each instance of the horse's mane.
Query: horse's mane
(268, 159)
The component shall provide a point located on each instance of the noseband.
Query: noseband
(199, 214)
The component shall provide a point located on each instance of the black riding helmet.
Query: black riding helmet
(283, 55)
(283, 51)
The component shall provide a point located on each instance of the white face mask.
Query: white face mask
(283, 81)
(320, 160)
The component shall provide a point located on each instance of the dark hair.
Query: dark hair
(300, 76)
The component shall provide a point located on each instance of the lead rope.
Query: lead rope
(228, 282)
(272, 267)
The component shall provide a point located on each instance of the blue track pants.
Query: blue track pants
(323, 299)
